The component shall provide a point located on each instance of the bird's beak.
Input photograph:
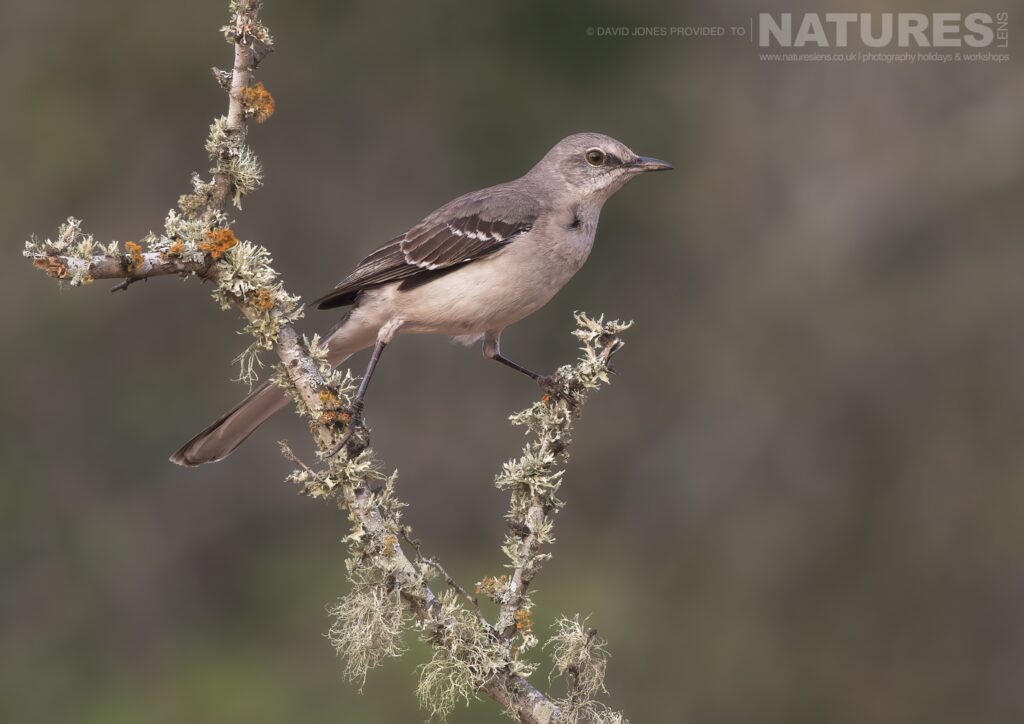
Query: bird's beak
(646, 163)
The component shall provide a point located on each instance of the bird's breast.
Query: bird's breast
(570, 238)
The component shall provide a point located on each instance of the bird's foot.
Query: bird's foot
(554, 390)
(356, 437)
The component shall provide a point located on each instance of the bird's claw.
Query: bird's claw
(554, 390)
(355, 438)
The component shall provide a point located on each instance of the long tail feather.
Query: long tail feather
(230, 430)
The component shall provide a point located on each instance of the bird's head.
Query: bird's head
(593, 165)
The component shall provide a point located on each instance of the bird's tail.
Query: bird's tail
(229, 431)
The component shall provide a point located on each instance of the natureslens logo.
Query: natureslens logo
(845, 37)
(881, 30)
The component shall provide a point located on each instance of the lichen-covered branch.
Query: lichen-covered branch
(76, 263)
(237, 171)
(580, 658)
(390, 587)
(471, 655)
(533, 480)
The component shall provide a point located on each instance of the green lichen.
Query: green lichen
(243, 29)
(195, 205)
(190, 232)
(233, 158)
(245, 171)
(533, 480)
(340, 384)
(245, 276)
(468, 652)
(75, 248)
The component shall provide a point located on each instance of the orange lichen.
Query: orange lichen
(54, 266)
(263, 299)
(491, 586)
(331, 410)
(524, 623)
(390, 542)
(258, 102)
(218, 242)
(134, 253)
(177, 248)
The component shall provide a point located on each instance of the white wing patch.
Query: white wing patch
(475, 235)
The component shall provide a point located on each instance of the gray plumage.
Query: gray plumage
(471, 268)
(470, 227)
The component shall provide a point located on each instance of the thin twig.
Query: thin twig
(471, 600)
(533, 523)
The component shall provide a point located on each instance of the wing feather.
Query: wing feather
(470, 228)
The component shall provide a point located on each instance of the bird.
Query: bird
(476, 265)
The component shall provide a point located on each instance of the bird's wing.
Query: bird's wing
(469, 228)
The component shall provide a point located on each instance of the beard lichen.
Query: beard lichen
(465, 658)
(368, 624)
(580, 658)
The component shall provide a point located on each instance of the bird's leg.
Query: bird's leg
(518, 368)
(357, 403)
(548, 383)
(355, 410)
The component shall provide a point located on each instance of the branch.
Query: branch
(534, 479)
(127, 267)
(470, 655)
(252, 41)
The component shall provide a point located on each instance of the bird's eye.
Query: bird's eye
(595, 156)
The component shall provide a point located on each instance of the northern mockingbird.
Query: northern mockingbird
(468, 270)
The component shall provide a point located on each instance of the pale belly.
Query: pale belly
(484, 296)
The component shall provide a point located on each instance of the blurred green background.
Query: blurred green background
(801, 501)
